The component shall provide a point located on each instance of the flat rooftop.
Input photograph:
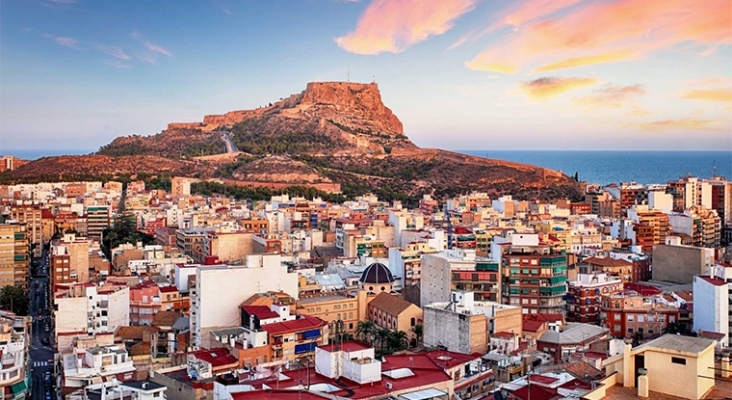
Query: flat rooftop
(686, 344)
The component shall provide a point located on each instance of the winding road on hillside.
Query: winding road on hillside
(230, 146)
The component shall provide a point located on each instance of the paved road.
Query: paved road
(41, 355)
(230, 146)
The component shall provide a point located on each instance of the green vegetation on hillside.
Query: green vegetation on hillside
(252, 136)
(262, 193)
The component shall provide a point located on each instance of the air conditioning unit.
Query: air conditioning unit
(389, 385)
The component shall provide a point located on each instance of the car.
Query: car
(37, 284)
(48, 395)
(48, 329)
(45, 340)
(37, 292)
(47, 377)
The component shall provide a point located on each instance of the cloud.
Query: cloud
(117, 64)
(113, 51)
(394, 25)
(525, 12)
(604, 32)
(64, 41)
(612, 96)
(63, 1)
(156, 49)
(544, 88)
(723, 95)
(612, 56)
(675, 125)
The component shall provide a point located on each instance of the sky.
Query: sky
(460, 74)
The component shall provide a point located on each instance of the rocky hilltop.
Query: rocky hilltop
(332, 132)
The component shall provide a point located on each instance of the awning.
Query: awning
(423, 394)
(20, 388)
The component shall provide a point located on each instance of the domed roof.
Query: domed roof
(377, 273)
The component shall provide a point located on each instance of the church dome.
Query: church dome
(377, 273)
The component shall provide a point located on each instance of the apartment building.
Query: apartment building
(190, 242)
(689, 192)
(628, 313)
(465, 325)
(651, 227)
(702, 224)
(711, 306)
(228, 245)
(458, 269)
(14, 341)
(98, 218)
(144, 303)
(32, 217)
(69, 260)
(409, 260)
(221, 288)
(533, 272)
(14, 255)
(584, 296)
(84, 307)
(331, 307)
(616, 267)
(93, 365)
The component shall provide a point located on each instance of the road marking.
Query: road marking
(40, 363)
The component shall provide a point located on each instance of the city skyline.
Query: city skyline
(542, 74)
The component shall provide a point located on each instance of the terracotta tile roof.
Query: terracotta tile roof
(165, 318)
(607, 262)
(263, 312)
(389, 304)
(129, 332)
(216, 357)
(140, 349)
(714, 281)
(252, 299)
(301, 324)
(168, 289)
(685, 295)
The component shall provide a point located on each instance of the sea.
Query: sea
(601, 167)
(605, 167)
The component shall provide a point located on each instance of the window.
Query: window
(616, 317)
(650, 318)
(640, 318)
(616, 328)
(630, 330)
(630, 318)
(412, 322)
(678, 360)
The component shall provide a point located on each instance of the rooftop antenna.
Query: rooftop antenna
(374, 78)
(714, 168)
(348, 74)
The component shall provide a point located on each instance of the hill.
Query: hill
(331, 132)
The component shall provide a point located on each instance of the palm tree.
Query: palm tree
(365, 330)
(398, 340)
(383, 336)
(418, 331)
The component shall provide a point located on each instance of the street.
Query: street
(230, 146)
(41, 350)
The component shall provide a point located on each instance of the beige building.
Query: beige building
(679, 264)
(395, 314)
(332, 307)
(14, 255)
(32, 217)
(70, 260)
(228, 246)
(680, 366)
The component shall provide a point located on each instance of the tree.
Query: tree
(576, 176)
(398, 340)
(124, 230)
(637, 338)
(418, 331)
(382, 336)
(365, 330)
(14, 299)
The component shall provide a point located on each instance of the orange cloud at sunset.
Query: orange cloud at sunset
(611, 31)
(612, 96)
(720, 95)
(612, 56)
(544, 88)
(394, 25)
(675, 124)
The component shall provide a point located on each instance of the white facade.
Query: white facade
(221, 289)
(357, 365)
(80, 370)
(92, 309)
(711, 306)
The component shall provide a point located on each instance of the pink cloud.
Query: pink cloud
(612, 96)
(394, 25)
(64, 41)
(157, 49)
(609, 32)
(113, 51)
(544, 88)
(117, 64)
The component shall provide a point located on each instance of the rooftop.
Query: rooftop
(573, 333)
(679, 343)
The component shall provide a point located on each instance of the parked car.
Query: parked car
(45, 340)
(47, 377)
(48, 328)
